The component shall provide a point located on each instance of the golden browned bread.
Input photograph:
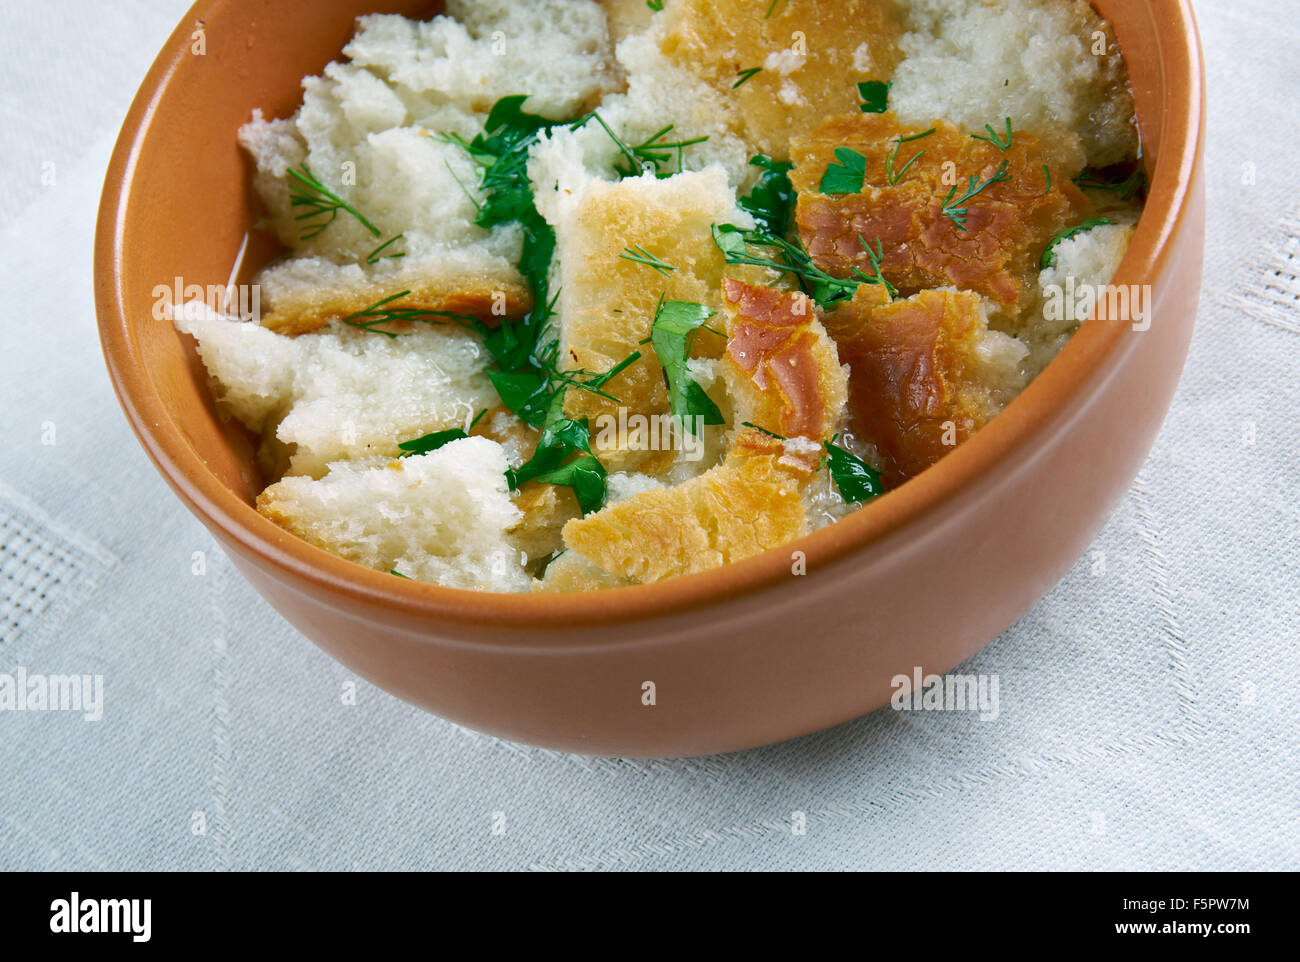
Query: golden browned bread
(783, 373)
(607, 302)
(1008, 224)
(925, 374)
(746, 505)
(809, 55)
(301, 311)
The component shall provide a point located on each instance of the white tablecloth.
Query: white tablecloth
(1148, 704)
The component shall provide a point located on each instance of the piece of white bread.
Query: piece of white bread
(682, 66)
(441, 517)
(1030, 60)
(1086, 260)
(483, 50)
(661, 101)
(370, 130)
(341, 394)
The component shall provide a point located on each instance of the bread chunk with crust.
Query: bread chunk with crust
(925, 374)
(782, 370)
(607, 301)
(810, 55)
(906, 209)
(751, 502)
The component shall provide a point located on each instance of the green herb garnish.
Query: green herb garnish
(378, 314)
(857, 480)
(673, 336)
(894, 175)
(994, 139)
(649, 155)
(640, 255)
(875, 96)
(586, 476)
(1048, 260)
(319, 202)
(377, 255)
(438, 439)
(790, 260)
(1048, 172)
(877, 255)
(955, 210)
(773, 197)
(1126, 186)
(770, 434)
(745, 75)
(846, 175)
(561, 436)
(501, 152)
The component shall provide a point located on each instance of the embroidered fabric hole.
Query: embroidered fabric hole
(40, 569)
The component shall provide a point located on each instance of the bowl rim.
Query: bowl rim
(333, 580)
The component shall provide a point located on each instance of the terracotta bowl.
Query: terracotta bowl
(742, 656)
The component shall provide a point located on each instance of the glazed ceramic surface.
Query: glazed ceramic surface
(742, 656)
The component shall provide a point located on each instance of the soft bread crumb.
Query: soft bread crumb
(1033, 61)
(441, 517)
(1089, 259)
(370, 130)
(341, 394)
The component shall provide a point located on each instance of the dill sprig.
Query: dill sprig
(877, 255)
(377, 315)
(377, 255)
(745, 75)
(994, 139)
(649, 155)
(955, 210)
(640, 255)
(890, 173)
(320, 201)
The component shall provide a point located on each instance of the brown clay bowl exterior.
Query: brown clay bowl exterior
(742, 656)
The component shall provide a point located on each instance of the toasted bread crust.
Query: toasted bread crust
(805, 50)
(915, 391)
(489, 299)
(1008, 224)
(782, 370)
(746, 505)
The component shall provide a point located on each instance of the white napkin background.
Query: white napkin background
(1148, 705)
